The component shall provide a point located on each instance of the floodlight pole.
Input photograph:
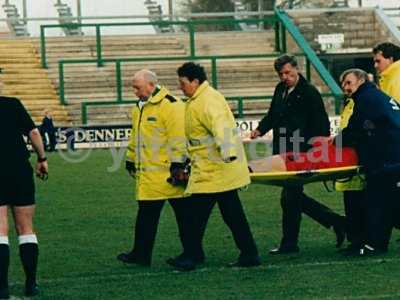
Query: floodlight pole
(24, 12)
(79, 11)
(170, 10)
(260, 9)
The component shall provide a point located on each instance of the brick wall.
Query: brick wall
(360, 27)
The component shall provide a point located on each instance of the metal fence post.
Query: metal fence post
(98, 46)
(43, 47)
(84, 113)
(119, 80)
(283, 39)
(277, 36)
(240, 107)
(61, 82)
(192, 39)
(308, 70)
(214, 74)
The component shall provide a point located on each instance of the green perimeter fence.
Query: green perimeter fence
(280, 21)
(239, 99)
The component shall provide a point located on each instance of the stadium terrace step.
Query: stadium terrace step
(23, 78)
(17, 52)
(88, 83)
(32, 78)
(29, 91)
(17, 60)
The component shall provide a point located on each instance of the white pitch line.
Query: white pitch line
(266, 267)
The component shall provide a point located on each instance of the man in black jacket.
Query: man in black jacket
(296, 115)
(374, 130)
(47, 129)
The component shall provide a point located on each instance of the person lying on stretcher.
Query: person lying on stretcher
(323, 155)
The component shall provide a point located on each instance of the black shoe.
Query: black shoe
(182, 263)
(31, 289)
(340, 232)
(130, 258)
(367, 250)
(4, 293)
(246, 262)
(284, 250)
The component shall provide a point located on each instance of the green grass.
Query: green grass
(85, 217)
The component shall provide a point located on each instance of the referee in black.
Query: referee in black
(17, 190)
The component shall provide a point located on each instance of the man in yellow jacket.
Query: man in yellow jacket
(387, 64)
(218, 165)
(156, 149)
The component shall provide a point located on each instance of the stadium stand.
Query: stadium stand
(87, 82)
(236, 77)
(24, 78)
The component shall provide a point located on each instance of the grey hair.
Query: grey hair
(360, 74)
(146, 75)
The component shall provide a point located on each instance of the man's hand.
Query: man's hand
(42, 170)
(130, 167)
(179, 173)
(229, 159)
(255, 134)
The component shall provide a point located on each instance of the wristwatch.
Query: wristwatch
(42, 159)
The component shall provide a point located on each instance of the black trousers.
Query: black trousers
(147, 220)
(382, 209)
(52, 141)
(354, 206)
(294, 202)
(233, 215)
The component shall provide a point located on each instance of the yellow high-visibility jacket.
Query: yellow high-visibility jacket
(212, 137)
(157, 139)
(389, 81)
(356, 183)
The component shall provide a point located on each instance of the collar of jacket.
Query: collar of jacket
(300, 83)
(159, 95)
(391, 70)
(299, 86)
(199, 90)
(362, 88)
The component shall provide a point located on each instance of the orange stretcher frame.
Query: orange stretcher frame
(296, 178)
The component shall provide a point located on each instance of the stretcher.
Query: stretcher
(296, 178)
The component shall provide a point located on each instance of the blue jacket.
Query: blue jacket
(374, 128)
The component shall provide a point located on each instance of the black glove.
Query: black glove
(176, 166)
(130, 167)
(229, 159)
(179, 173)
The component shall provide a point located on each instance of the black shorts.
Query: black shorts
(17, 187)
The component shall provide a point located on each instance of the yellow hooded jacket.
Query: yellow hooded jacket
(213, 137)
(389, 81)
(356, 183)
(157, 139)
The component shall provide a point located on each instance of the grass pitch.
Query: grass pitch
(85, 216)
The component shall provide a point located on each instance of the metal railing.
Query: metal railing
(190, 25)
(239, 99)
(280, 21)
(118, 68)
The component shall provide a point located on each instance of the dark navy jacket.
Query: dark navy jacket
(47, 125)
(374, 128)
